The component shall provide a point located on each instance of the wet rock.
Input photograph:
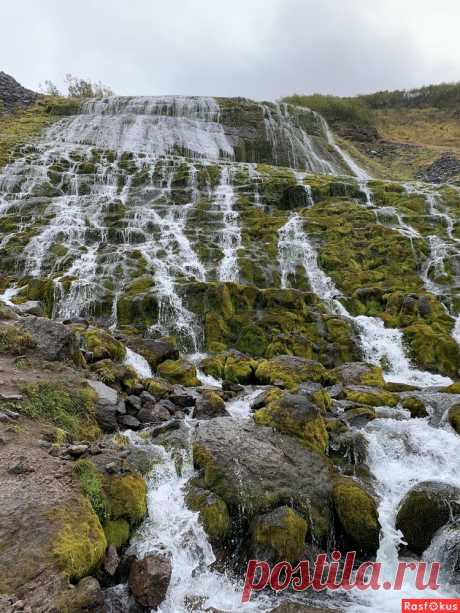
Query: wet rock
(253, 468)
(54, 341)
(278, 535)
(31, 307)
(229, 386)
(372, 396)
(182, 397)
(153, 414)
(296, 607)
(415, 406)
(213, 511)
(209, 405)
(149, 580)
(154, 351)
(425, 508)
(357, 513)
(358, 417)
(172, 424)
(232, 366)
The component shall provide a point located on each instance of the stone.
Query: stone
(133, 403)
(77, 450)
(209, 405)
(129, 421)
(54, 341)
(278, 535)
(425, 508)
(182, 397)
(111, 561)
(31, 307)
(359, 373)
(179, 371)
(149, 579)
(105, 394)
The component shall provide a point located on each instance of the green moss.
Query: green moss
(291, 372)
(80, 543)
(454, 417)
(357, 513)
(179, 371)
(280, 534)
(213, 512)
(157, 387)
(116, 374)
(127, 497)
(117, 532)
(102, 345)
(15, 340)
(41, 290)
(415, 406)
(372, 397)
(295, 416)
(68, 407)
(432, 351)
(91, 486)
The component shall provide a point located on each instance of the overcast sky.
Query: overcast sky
(262, 49)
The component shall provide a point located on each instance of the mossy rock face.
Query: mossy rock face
(117, 532)
(278, 536)
(357, 514)
(415, 406)
(297, 416)
(289, 372)
(433, 351)
(80, 543)
(424, 509)
(102, 345)
(360, 373)
(454, 417)
(127, 497)
(231, 366)
(179, 372)
(115, 374)
(157, 387)
(214, 515)
(371, 396)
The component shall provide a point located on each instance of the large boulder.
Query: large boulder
(154, 351)
(254, 469)
(278, 535)
(295, 415)
(357, 513)
(359, 373)
(53, 340)
(232, 366)
(108, 407)
(102, 345)
(179, 371)
(209, 404)
(289, 371)
(368, 395)
(425, 508)
(149, 580)
(213, 511)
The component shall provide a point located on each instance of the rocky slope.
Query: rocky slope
(214, 318)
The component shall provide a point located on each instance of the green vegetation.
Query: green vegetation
(335, 109)
(92, 486)
(68, 407)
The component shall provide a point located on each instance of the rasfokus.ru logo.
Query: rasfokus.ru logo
(430, 605)
(338, 573)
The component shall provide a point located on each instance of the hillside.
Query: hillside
(229, 330)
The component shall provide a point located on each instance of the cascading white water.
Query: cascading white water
(138, 363)
(402, 453)
(230, 233)
(380, 345)
(172, 529)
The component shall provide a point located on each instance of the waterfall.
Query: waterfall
(138, 363)
(173, 529)
(402, 453)
(230, 234)
(380, 345)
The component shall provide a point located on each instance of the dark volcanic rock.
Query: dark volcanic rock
(149, 580)
(444, 168)
(13, 95)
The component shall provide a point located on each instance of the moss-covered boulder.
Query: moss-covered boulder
(115, 374)
(127, 497)
(297, 416)
(372, 396)
(278, 535)
(103, 345)
(154, 351)
(214, 515)
(159, 388)
(431, 350)
(232, 366)
(415, 406)
(255, 470)
(359, 373)
(288, 372)
(179, 371)
(117, 532)
(80, 543)
(424, 509)
(454, 417)
(210, 404)
(357, 513)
